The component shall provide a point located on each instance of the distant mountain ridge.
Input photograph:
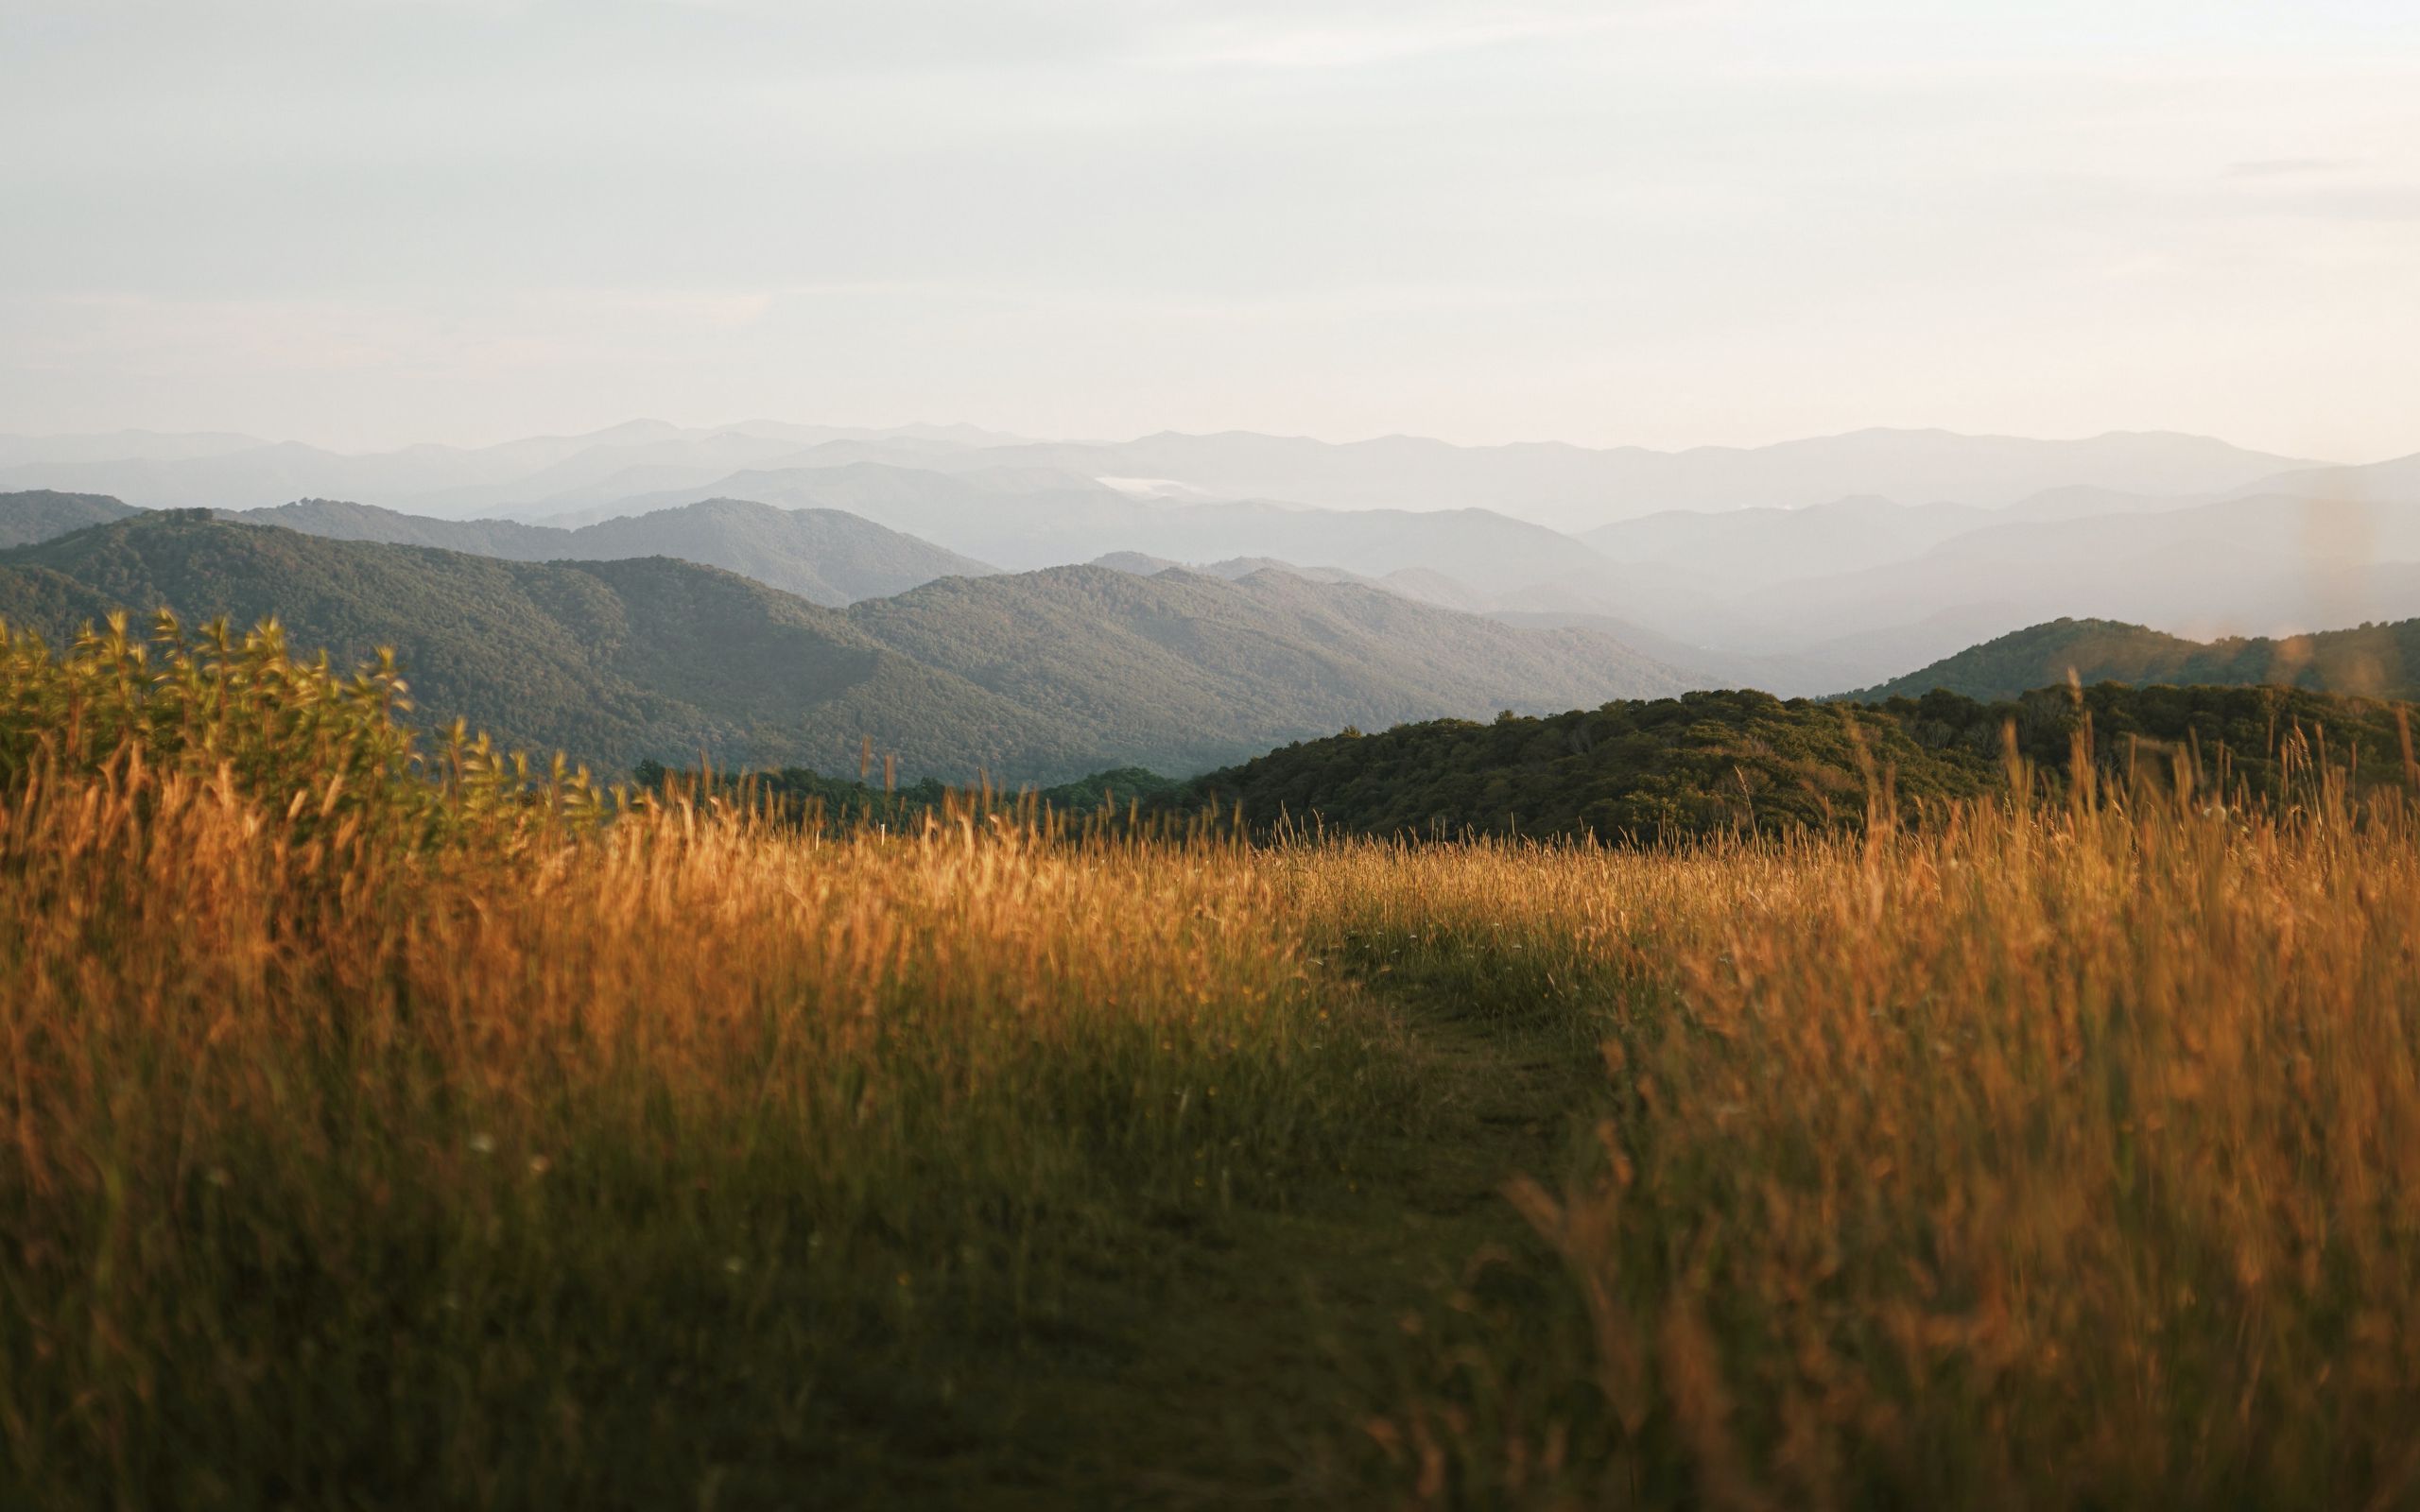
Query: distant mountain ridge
(1821, 582)
(242, 473)
(39, 514)
(1042, 676)
(1569, 488)
(823, 555)
(1168, 665)
(2395, 481)
(1047, 527)
(1814, 565)
(1865, 586)
(2263, 564)
(611, 661)
(1572, 487)
(1556, 484)
(2374, 660)
(1417, 583)
(1772, 546)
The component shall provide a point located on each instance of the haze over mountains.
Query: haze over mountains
(228, 472)
(2377, 660)
(38, 515)
(1572, 488)
(1805, 568)
(1569, 488)
(1042, 676)
(823, 555)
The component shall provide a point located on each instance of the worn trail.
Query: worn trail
(1242, 1377)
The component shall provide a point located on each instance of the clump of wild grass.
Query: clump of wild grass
(2058, 1155)
(370, 1136)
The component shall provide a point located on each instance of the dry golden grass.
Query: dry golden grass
(2051, 1157)
(501, 1158)
(270, 1105)
(376, 1142)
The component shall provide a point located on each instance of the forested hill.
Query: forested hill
(2376, 660)
(1179, 671)
(613, 662)
(1037, 678)
(1709, 763)
(823, 555)
(39, 514)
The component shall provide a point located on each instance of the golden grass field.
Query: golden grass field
(369, 1138)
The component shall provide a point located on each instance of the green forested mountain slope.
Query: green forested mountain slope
(2381, 659)
(46, 601)
(1038, 678)
(1180, 671)
(1708, 762)
(1027, 529)
(823, 555)
(39, 514)
(612, 661)
(341, 520)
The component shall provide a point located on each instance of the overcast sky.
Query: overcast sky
(363, 222)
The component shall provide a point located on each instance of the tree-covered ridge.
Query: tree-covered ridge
(39, 514)
(1712, 762)
(823, 555)
(614, 662)
(1030, 679)
(1180, 672)
(2373, 659)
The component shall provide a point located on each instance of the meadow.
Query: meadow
(392, 1122)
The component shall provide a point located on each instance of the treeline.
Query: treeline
(839, 803)
(1717, 763)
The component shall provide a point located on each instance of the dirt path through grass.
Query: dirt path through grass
(1241, 1377)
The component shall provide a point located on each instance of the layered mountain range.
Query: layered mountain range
(1037, 676)
(1569, 488)
(823, 555)
(2372, 659)
(1804, 568)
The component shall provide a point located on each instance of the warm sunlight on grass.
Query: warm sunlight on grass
(2052, 1158)
(541, 1158)
(476, 1143)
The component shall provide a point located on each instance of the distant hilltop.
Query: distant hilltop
(2376, 660)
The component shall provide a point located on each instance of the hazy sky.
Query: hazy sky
(368, 222)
